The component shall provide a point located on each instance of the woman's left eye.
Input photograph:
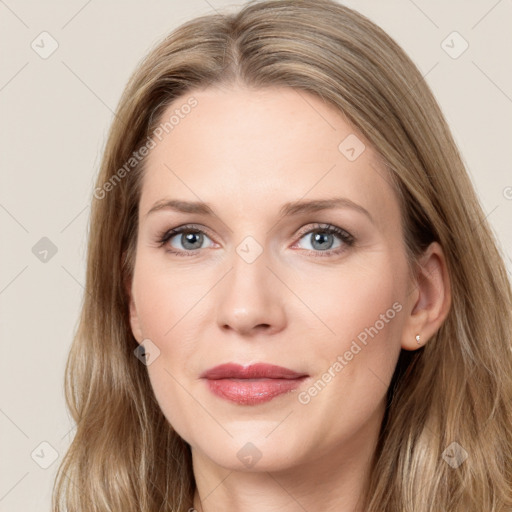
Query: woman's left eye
(322, 239)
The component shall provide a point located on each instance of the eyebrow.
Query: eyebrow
(287, 210)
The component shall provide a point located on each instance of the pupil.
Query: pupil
(192, 238)
(321, 238)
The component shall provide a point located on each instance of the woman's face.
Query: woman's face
(259, 277)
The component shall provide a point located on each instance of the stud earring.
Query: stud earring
(418, 339)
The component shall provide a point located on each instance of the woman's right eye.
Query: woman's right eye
(183, 241)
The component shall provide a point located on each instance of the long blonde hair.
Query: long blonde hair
(125, 456)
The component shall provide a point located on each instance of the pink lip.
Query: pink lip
(253, 384)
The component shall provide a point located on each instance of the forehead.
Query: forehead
(257, 149)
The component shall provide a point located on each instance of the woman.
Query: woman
(294, 299)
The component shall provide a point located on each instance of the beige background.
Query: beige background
(55, 113)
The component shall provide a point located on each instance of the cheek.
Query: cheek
(355, 357)
(362, 317)
(349, 299)
(175, 398)
(168, 307)
(166, 297)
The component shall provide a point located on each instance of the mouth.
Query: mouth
(253, 384)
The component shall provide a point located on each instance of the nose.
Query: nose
(250, 300)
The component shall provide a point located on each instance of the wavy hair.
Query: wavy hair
(125, 456)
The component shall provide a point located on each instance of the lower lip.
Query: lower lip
(252, 391)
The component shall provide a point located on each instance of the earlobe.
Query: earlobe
(430, 299)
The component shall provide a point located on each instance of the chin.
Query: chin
(251, 456)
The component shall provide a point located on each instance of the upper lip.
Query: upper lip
(252, 371)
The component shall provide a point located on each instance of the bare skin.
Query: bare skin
(301, 303)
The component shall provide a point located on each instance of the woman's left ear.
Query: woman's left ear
(429, 300)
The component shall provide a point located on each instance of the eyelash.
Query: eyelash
(344, 236)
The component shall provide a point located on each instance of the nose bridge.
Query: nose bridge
(250, 296)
